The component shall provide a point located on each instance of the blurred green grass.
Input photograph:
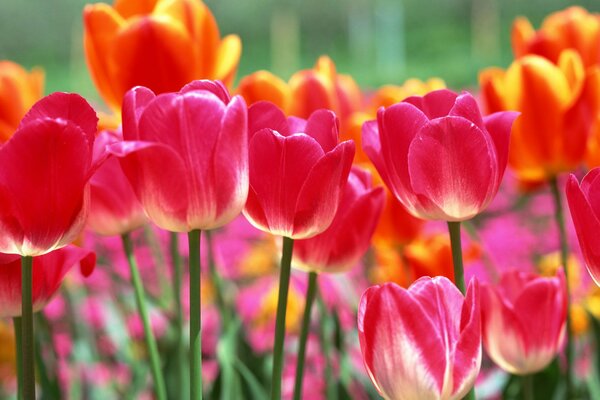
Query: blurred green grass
(376, 41)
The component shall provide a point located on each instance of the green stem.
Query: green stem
(195, 316)
(311, 290)
(284, 283)
(325, 335)
(217, 281)
(457, 258)
(27, 328)
(180, 386)
(18, 354)
(564, 254)
(527, 381)
(140, 299)
(459, 272)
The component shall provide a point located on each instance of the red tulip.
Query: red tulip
(186, 155)
(348, 237)
(114, 209)
(45, 168)
(524, 320)
(421, 343)
(584, 203)
(49, 271)
(296, 179)
(442, 160)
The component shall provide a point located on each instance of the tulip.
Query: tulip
(442, 160)
(297, 171)
(49, 271)
(114, 209)
(585, 212)
(423, 342)
(348, 237)
(161, 44)
(307, 90)
(573, 28)
(19, 89)
(558, 105)
(49, 157)
(186, 155)
(523, 320)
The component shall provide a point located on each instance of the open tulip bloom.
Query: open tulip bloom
(423, 342)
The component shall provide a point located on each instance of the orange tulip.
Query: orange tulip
(19, 89)
(558, 104)
(307, 90)
(160, 44)
(572, 28)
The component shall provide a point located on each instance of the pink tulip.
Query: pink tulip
(439, 157)
(296, 179)
(348, 237)
(49, 271)
(114, 209)
(45, 168)
(186, 155)
(584, 203)
(524, 320)
(421, 343)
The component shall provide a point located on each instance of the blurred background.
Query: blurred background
(376, 41)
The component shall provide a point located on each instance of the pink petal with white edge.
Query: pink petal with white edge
(587, 227)
(323, 126)
(590, 186)
(465, 106)
(434, 104)
(499, 126)
(135, 102)
(453, 164)
(215, 87)
(319, 197)
(157, 176)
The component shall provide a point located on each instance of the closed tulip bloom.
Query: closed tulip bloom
(573, 28)
(45, 169)
(439, 157)
(185, 155)
(114, 208)
(160, 44)
(49, 271)
(558, 105)
(348, 237)
(19, 90)
(297, 171)
(423, 342)
(523, 320)
(584, 204)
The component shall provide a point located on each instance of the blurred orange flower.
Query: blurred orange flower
(573, 28)
(307, 90)
(559, 104)
(19, 89)
(7, 353)
(160, 44)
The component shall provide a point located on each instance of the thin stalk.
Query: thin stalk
(564, 254)
(216, 280)
(180, 346)
(140, 299)
(527, 381)
(284, 283)
(311, 290)
(195, 316)
(325, 334)
(459, 272)
(27, 344)
(18, 348)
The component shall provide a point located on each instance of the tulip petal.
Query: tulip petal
(52, 157)
(310, 91)
(228, 57)
(264, 86)
(134, 103)
(323, 126)
(590, 186)
(319, 196)
(466, 106)
(215, 87)
(434, 104)
(263, 115)
(587, 226)
(158, 177)
(499, 127)
(451, 162)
